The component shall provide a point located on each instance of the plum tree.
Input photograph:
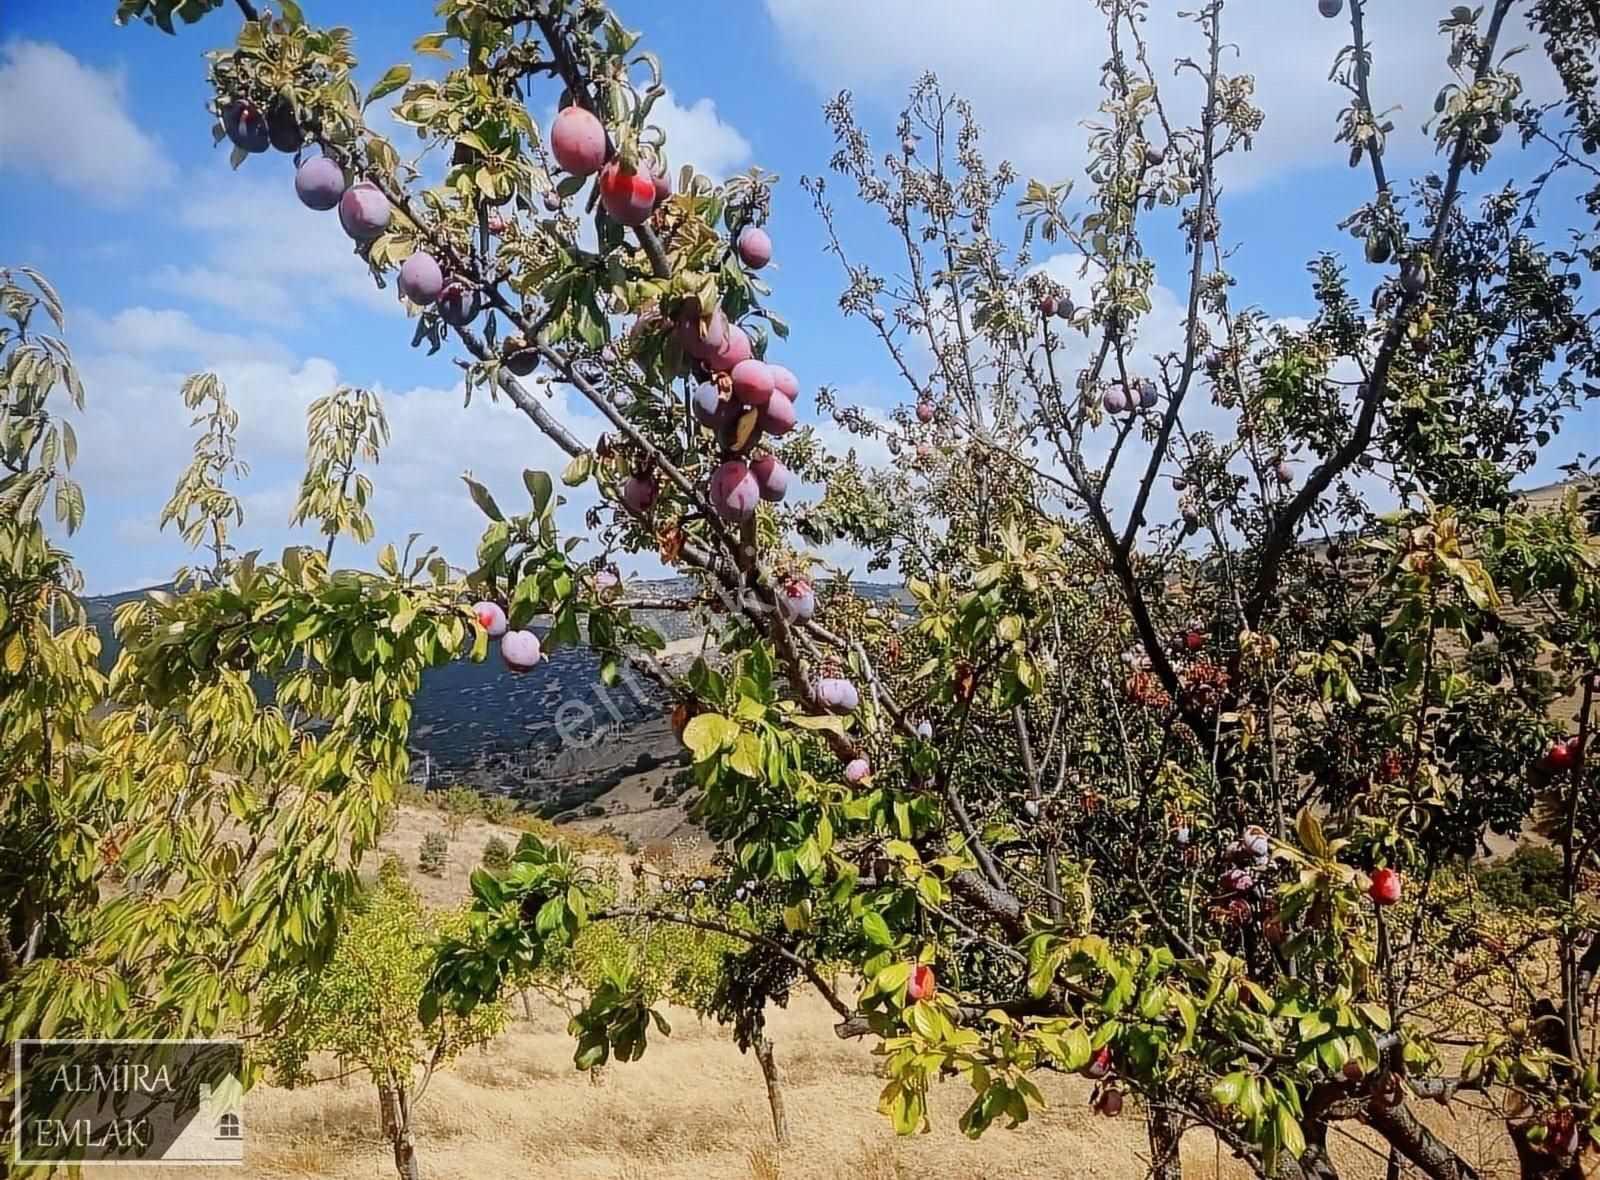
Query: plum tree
(459, 303)
(778, 415)
(246, 126)
(752, 382)
(1360, 663)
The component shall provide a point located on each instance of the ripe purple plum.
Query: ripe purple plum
(735, 348)
(777, 416)
(772, 477)
(925, 412)
(497, 222)
(491, 617)
(364, 211)
(1115, 400)
(421, 279)
(1147, 393)
(1283, 473)
(798, 601)
(734, 491)
(578, 141)
(640, 493)
(925, 730)
(836, 694)
(458, 304)
(629, 197)
(856, 770)
(1330, 8)
(785, 382)
(519, 650)
(755, 247)
(283, 129)
(709, 408)
(752, 382)
(319, 183)
(699, 338)
(1099, 1064)
(1108, 1103)
(246, 126)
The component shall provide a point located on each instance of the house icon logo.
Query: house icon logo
(215, 1135)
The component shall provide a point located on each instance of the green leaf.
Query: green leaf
(392, 80)
(876, 929)
(708, 733)
(540, 488)
(578, 470)
(482, 498)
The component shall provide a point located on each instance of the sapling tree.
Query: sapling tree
(172, 837)
(362, 1009)
(343, 430)
(1172, 790)
(202, 506)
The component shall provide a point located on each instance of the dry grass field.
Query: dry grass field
(695, 1108)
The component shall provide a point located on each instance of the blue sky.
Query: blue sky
(169, 263)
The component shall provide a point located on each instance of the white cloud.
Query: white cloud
(697, 136)
(1032, 68)
(69, 122)
(135, 436)
(265, 256)
(152, 332)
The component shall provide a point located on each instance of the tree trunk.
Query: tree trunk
(396, 1105)
(769, 1073)
(1165, 1131)
(1315, 1162)
(1425, 1151)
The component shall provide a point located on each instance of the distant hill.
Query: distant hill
(556, 736)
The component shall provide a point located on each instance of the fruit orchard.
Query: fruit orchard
(1176, 791)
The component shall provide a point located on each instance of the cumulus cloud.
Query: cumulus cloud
(263, 255)
(1032, 68)
(69, 123)
(135, 436)
(697, 135)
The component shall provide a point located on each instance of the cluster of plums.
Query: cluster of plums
(1121, 399)
(519, 650)
(364, 211)
(629, 193)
